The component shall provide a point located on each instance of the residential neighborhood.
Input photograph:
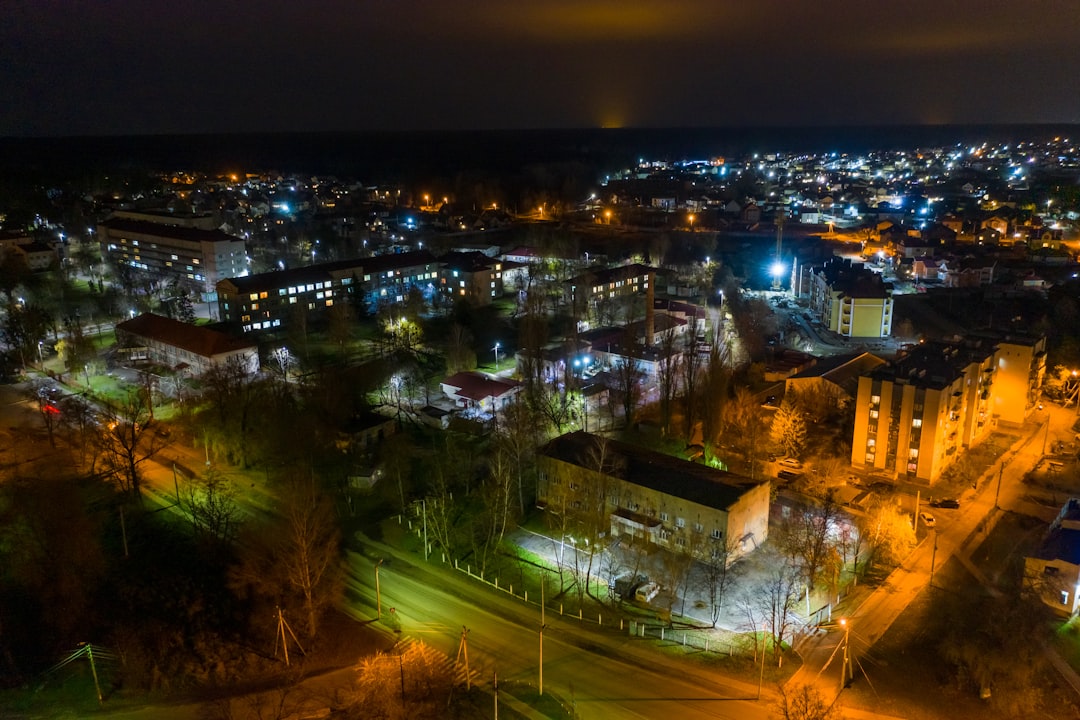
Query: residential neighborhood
(730, 401)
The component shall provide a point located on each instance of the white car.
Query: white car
(647, 592)
(927, 519)
(791, 463)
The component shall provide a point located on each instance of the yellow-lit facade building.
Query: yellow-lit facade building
(916, 415)
(851, 300)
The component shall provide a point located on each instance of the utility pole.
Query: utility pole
(283, 628)
(378, 594)
(93, 671)
(933, 559)
(846, 669)
(761, 672)
(176, 485)
(495, 674)
(463, 648)
(123, 530)
(540, 685)
(997, 492)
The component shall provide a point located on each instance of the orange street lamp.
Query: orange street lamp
(691, 222)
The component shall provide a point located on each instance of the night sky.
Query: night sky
(119, 67)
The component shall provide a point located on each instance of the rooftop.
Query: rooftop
(653, 470)
(197, 340)
(122, 225)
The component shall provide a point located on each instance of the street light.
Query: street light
(378, 593)
(496, 349)
(845, 670)
(691, 218)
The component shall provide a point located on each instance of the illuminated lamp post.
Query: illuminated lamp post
(777, 271)
(496, 349)
(691, 218)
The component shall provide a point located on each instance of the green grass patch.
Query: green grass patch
(1067, 639)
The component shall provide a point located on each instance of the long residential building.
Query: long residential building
(268, 301)
(651, 497)
(200, 258)
(916, 415)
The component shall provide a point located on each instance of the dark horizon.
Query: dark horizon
(389, 155)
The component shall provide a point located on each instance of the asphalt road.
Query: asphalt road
(606, 679)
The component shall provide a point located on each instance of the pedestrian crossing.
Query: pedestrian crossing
(408, 645)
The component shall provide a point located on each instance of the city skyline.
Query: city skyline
(151, 68)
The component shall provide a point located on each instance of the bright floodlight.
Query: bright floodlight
(777, 269)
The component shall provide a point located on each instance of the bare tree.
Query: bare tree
(771, 602)
(628, 377)
(412, 681)
(127, 441)
(496, 511)
(690, 378)
(807, 537)
(209, 500)
(719, 574)
(309, 552)
(805, 702)
(745, 427)
(667, 374)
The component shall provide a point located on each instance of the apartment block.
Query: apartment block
(851, 300)
(268, 301)
(197, 257)
(916, 415)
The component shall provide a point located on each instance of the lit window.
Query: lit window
(873, 414)
(680, 522)
(870, 457)
(916, 423)
(253, 296)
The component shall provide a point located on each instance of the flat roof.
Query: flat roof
(665, 474)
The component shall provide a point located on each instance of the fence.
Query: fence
(607, 619)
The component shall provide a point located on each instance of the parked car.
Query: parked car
(949, 503)
(647, 592)
(791, 463)
(927, 519)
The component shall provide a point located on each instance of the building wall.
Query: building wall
(906, 430)
(670, 522)
(907, 426)
(477, 288)
(196, 262)
(163, 353)
(273, 298)
(1018, 378)
(1057, 583)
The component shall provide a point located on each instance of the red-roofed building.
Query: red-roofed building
(475, 391)
(180, 345)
